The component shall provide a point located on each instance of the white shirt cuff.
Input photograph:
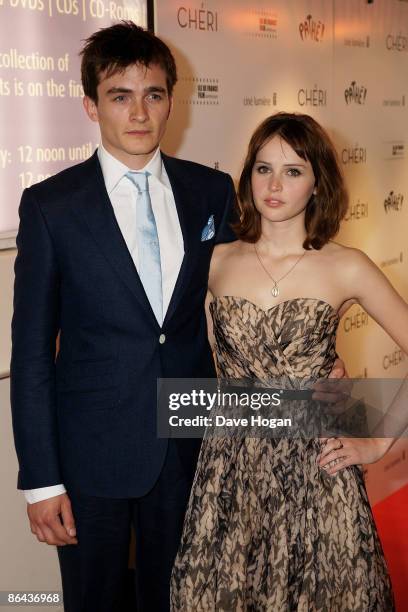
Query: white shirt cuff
(35, 495)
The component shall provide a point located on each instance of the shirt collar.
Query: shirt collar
(113, 170)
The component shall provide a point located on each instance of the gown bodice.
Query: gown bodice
(294, 339)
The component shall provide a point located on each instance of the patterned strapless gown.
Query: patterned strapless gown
(266, 529)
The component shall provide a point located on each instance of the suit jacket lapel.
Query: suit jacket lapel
(96, 209)
(185, 194)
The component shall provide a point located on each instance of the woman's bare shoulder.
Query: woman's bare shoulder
(348, 258)
(336, 250)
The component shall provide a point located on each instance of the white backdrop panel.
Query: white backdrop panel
(343, 62)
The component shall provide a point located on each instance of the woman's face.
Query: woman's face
(282, 182)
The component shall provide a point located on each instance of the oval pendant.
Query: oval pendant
(275, 291)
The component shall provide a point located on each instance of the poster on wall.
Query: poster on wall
(343, 62)
(43, 128)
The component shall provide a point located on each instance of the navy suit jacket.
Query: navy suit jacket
(87, 418)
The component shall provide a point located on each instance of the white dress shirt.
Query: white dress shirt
(123, 196)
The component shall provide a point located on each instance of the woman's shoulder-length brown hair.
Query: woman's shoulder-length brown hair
(309, 140)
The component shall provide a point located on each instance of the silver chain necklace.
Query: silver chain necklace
(275, 288)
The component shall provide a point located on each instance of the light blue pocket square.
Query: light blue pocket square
(209, 230)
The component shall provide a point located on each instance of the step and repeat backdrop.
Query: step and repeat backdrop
(345, 62)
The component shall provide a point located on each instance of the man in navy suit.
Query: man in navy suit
(113, 256)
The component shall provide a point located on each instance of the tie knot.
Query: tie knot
(139, 179)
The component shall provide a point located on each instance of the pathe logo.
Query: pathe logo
(393, 202)
(197, 19)
(312, 97)
(355, 93)
(396, 42)
(354, 155)
(357, 211)
(309, 29)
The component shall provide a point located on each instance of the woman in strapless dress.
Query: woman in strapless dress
(284, 524)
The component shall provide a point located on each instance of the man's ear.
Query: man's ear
(91, 108)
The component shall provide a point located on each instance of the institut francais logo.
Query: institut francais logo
(199, 91)
(260, 22)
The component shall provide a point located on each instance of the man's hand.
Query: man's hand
(52, 521)
(336, 394)
(338, 369)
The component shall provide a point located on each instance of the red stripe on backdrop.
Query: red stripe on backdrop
(391, 516)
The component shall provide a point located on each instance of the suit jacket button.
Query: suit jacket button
(162, 338)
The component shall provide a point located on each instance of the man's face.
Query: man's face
(132, 111)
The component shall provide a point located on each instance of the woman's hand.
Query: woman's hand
(338, 453)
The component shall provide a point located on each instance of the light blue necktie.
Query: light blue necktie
(148, 244)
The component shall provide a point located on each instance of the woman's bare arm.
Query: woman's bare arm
(371, 289)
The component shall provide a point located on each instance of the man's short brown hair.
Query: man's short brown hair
(113, 49)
